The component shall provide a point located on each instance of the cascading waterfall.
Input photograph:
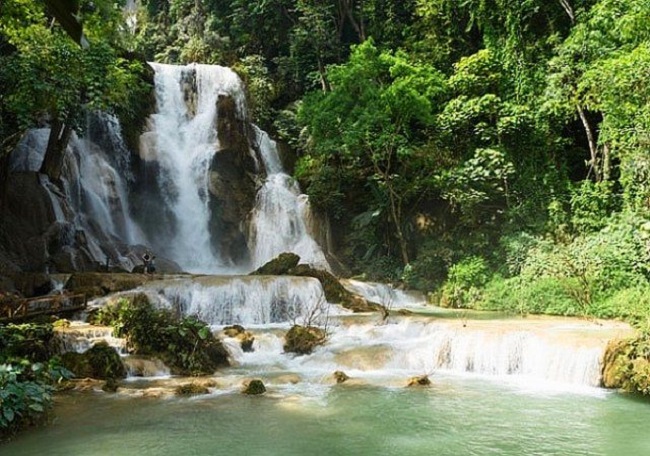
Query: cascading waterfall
(93, 196)
(185, 139)
(279, 217)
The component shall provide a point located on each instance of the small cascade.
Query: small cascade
(243, 300)
(137, 366)
(544, 355)
(384, 294)
(279, 218)
(79, 337)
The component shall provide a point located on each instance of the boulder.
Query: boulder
(100, 362)
(253, 386)
(303, 339)
(341, 377)
(246, 338)
(422, 380)
(610, 375)
(280, 265)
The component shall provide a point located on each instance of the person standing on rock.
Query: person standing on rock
(147, 259)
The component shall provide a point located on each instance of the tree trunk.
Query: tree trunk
(56, 145)
(593, 147)
(569, 10)
(396, 215)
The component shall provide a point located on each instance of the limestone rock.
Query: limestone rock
(614, 353)
(191, 389)
(253, 387)
(303, 339)
(100, 284)
(341, 377)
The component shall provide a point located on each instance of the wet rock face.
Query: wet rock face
(232, 183)
(422, 380)
(280, 265)
(245, 338)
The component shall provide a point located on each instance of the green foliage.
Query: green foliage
(185, 344)
(632, 365)
(463, 286)
(27, 373)
(23, 402)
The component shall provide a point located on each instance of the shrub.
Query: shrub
(185, 344)
(463, 286)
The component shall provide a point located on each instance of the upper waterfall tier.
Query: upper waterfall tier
(202, 204)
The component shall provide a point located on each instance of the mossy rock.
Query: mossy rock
(334, 291)
(614, 355)
(303, 339)
(253, 387)
(101, 361)
(422, 380)
(280, 265)
(95, 284)
(191, 389)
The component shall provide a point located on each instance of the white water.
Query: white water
(244, 300)
(279, 218)
(93, 198)
(384, 294)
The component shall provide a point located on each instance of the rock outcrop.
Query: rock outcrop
(422, 380)
(303, 339)
(246, 338)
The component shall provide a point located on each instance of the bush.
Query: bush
(23, 401)
(185, 344)
(464, 284)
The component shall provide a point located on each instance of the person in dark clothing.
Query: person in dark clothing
(148, 260)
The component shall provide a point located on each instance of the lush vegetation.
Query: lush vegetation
(492, 153)
(186, 345)
(28, 373)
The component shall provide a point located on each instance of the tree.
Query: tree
(51, 79)
(373, 121)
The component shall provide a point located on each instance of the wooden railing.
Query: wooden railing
(44, 305)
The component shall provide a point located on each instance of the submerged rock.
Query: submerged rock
(422, 380)
(303, 339)
(253, 386)
(191, 389)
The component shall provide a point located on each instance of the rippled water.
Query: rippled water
(456, 416)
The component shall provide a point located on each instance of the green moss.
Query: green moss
(254, 387)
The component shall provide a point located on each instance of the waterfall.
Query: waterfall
(385, 294)
(184, 140)
(280, 215)
(93, 196)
